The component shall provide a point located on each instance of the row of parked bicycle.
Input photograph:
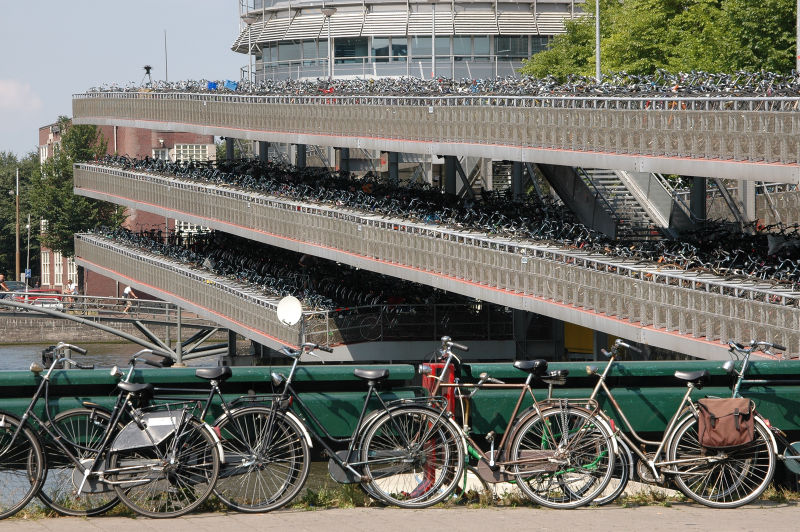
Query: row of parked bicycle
(276, 272)
(762, 253)
(155, 450)
(694, 83)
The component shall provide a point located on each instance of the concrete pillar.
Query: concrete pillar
(394, 159)
(697, 198)
(599, 342)
(747, 195)
(263, 150)
(517, 180)
(488, 174)
(229, 148)
(300, 159)
(231, 344)
(450, 163)
(344, 159)
(521, 321)
(559, 345)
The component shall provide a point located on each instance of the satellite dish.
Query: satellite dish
(290, 310)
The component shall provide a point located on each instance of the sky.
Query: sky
(50, 49)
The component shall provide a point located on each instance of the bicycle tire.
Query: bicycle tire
(154, 484)
(573, 457)
(82, 429)
(623, 467)
(267, 459)
(743, 472)
(22, 465)
(414, 457)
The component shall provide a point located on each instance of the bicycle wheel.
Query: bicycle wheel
(563, 458)
(22, 465)
(266, 459)
(414, 457)
(83, 430)
(623, 466)
(170, 479)
(721, 478)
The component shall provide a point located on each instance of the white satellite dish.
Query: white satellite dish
(289, 310)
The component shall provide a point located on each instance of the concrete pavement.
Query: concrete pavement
(678, 517)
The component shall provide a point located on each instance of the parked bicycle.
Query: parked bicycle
(560, 455)
(724, 477)
(162, 463)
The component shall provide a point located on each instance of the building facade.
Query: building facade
(471, 39)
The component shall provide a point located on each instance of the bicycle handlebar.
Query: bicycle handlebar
(62, 345)
(76, 364)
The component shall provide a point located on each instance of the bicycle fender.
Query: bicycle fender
(607, 427)
(306, 435)
(217, 441)
(772, 441)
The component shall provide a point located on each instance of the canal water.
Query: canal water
(102, 355)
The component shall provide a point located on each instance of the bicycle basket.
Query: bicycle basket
(725, 422)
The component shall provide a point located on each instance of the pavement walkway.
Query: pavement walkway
(677, 517)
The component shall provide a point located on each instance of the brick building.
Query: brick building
(57, 270)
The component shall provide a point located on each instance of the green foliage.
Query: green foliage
(640, 36)
(8, 218)
(51, 190)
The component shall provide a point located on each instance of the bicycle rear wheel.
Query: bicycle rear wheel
(623, 467)
(170, 479)
(721, 478)
(266, 459)
(563, 458)
(22, 465)
(83, 430)
(414, 457)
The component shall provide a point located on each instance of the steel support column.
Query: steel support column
(344, 159)
(517, 180)
(300, 159)
(599, 342)
(229, 148)
(393, 159)
(559, 345)
(450, 163)
(697, 199)
(263, 150)
(521, 321)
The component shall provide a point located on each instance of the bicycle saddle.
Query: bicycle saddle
(697, 377)
(136, 388)
(537, 367)
(371, 374)
(220, 373)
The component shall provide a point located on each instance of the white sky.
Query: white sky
(51, 49)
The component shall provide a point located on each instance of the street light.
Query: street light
(249, 21)
(328, 12)
(433, 39)
(28, 259)
(597, 40)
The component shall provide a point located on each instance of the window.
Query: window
(380, 49)
(45, 258)
(289, 51)
(516, 46)
(350, 49)
(421, 46)
(72, 269)
(309, 51)
(58, 269)
(480, 46)
(44, 226)
(399, 48)
(189, 228)
(191, 152)
(42, 154)
(161, 153)
(462, 47)
(539, 44)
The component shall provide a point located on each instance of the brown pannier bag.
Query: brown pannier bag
(725, 422)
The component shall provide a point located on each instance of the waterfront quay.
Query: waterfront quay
(677, 516)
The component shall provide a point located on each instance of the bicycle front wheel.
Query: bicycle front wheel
(623, 467)
(83, 430)
(170, 479)
(414, 457)
(721, 478)
(266, 459)
(22, 464)
(563, 458)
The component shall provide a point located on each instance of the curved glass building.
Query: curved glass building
(422, 38)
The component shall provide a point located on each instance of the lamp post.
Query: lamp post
(17, 239)
(249, 21)
(433, 39)
(328, 12)
(597, 40)
(28, 252)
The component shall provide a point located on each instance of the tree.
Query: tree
(641, 36)
(52, 198)
(9, 163)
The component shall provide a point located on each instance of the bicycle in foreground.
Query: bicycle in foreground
(162, 463)
(402, 453)
(791, 450)
(723, 477)
(559, 455)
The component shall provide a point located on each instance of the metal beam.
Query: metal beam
(300, 158)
